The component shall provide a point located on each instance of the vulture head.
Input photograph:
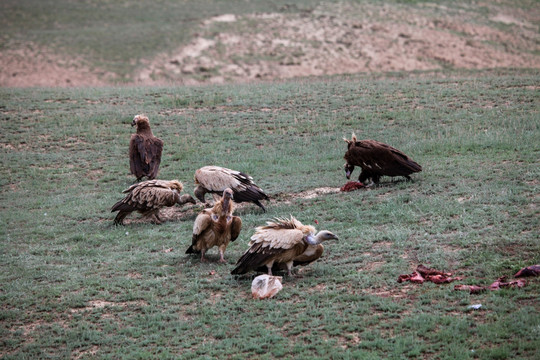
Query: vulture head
(176, 185)
(348, 170)
(321, 236)
(141, 121)
(227, 198)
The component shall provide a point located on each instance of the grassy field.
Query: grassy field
(74, 286)
(119, 36)
(134, 41)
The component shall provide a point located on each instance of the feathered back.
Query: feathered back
(272, 234)
(216, 179)
(149, 194)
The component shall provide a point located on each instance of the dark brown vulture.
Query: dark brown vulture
(144, 150)
(377, 159)
(148, 197)
(215, 227)
(282, 241)
(215, 179)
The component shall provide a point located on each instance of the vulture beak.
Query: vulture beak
(333, 237)
(348, 170)
(228, 193)
(134, 122)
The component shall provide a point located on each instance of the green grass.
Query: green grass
(73, 285)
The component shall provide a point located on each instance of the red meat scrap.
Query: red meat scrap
(424, 273)
(352, 185)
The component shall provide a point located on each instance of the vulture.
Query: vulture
(148, 197)
(377, 159)
(215, 227)
(215, 179)
(144, 150)
(283, 241)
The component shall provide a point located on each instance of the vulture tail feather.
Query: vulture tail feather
(121, 206)
(190, 250)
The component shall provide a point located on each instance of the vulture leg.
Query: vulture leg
(289, 268)
(199, 193)
(203, 259)
(269, 266)
(221, 252)
(364, 175)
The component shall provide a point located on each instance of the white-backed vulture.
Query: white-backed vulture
(144, 150)
(215, 179)
(215, 227)
(148, 197)
(281, 242)
(377, 159)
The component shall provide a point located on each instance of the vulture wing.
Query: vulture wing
(236, 227)
(269, 245)
(203, 222)
(154, 148)
(136, 160)
(217, 179)
(381, 158)
(147, 198)
(312, 253)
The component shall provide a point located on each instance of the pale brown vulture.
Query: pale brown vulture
(282, 241)
(144, 150)
(215, 227)
(377, 159)
(148, 197)
(215, 179)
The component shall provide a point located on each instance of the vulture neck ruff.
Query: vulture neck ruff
(312, 239)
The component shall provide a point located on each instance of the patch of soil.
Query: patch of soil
(345, 39)
(332, 39)
(31, 65)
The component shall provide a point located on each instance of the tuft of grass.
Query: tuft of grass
(73, 285)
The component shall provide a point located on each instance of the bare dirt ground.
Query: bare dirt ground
(333, 39)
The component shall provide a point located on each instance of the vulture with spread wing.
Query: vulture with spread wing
(282, 241)
(144, 150)
(377, 159)
(215, 179)
(148, 197)
(215, 227)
